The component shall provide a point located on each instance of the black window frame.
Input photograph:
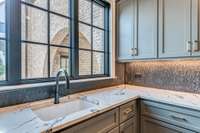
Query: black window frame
(13, 43)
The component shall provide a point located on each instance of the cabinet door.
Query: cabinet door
(149, 125)
(147, 29)
(195, 28)
(100, 124)
(126, 14)
(174, 28)
(128, 127)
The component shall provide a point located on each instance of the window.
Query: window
(2, 41)
(55, 34)
(92, 51)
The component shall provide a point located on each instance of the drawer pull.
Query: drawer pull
(127, 111)
(177, 118)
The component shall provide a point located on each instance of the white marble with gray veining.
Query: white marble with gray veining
(25, 121)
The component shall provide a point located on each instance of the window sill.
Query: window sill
(23, 86)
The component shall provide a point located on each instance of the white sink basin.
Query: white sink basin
(62, 109)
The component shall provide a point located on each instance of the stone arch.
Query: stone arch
(62, 38)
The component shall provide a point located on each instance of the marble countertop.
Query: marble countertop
(22, 119)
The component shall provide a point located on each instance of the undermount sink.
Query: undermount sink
(60, 110)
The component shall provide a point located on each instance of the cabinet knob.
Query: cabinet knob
(195, 46)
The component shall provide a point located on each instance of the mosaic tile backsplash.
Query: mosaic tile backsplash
(172, 75)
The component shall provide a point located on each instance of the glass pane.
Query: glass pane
(98, 39)
(98, 63)
(39, 3)
(2, 60)
(84, 62)
(34, 24)
(59, 30)
(60, 6)
(98, 16)
(84, 36)
(34, 61)
(59, 58)
(85, 11)
(2, 19)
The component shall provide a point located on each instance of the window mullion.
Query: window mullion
(13, 20)
(106, 42)
(74, 39)
(92, 37)
(48, 36)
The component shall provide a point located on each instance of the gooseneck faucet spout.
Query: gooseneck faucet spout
(66, 76)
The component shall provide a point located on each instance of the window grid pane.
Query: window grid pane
(60, 6)
(59, 58)
(34, 24)
(57, 31)
(2, 59)
(2, 41)
(84, 62)
(34, 61)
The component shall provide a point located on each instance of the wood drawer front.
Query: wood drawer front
(99, 124)
(149, 125)
(127, 111)
(182, 117)
(128, 126)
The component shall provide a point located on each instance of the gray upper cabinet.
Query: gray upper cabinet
(147, 29)
(137, 37)
(174, 28)
(195, 28)
(126, 12)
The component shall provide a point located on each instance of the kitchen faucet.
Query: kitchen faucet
(56, 98)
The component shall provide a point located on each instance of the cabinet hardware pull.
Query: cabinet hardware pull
(177, 118)
(195, 47)
(134, 52)
(189, 44)
(128, 111)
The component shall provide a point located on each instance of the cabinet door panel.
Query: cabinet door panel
(126, 12)
(195, 28)
(149, 125)
(129, 126)
(99, 124)
(147, 29)
(174, 28)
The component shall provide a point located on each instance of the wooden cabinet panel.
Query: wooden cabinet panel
(127, 111)
(149, 125)
(126, 16)
(100, 124)
(115, 130)
(129, 126)
(195, 28)
(147, 29)
(174, 28)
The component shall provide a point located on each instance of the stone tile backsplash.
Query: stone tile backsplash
(179, 75)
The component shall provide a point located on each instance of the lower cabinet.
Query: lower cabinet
(158, 117)
(119, 120)
(149, 125)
